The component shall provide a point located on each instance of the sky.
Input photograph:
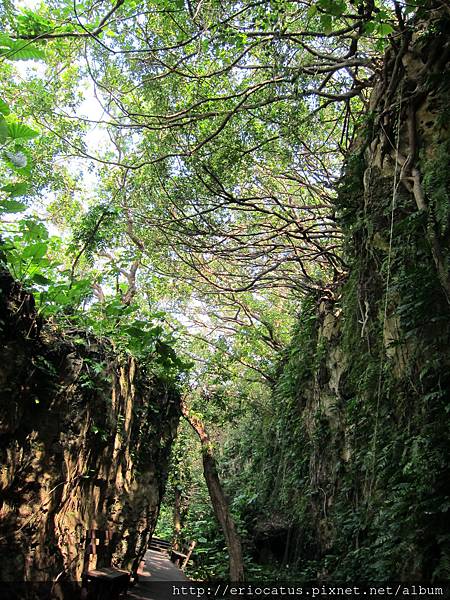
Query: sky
(90, 107)
(96, 137)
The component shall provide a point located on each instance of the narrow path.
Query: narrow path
(157, 569)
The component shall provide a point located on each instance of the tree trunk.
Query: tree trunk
(218, 498)
(177, 519)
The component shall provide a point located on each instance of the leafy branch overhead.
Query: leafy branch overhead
(223, 128)
(229, 122)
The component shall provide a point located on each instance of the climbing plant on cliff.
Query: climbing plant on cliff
(358, 422)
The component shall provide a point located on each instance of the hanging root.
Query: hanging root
(412, 180)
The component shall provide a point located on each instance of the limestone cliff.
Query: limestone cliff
(362, 399)
(85, 437)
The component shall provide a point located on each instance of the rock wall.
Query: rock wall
(360, 465)
(85, 438)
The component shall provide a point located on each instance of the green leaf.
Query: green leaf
(35, 230)
(40, 279)
(385, 29)
(19, 49)
(12, 206)
(27, 53)
(19, 131)
(4, 108)
(35, 251)
(3, 129)
(16, 189)
(326, 22)
(333, 7)
(369, 27)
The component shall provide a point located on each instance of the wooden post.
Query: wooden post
(188, 555)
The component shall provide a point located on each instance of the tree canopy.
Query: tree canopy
(211, 137)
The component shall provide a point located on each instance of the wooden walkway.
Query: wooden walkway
(157, 568)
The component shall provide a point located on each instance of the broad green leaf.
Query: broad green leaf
(4, 107)
(16, 189)
(35, 229)
(3, 129)
(27, 53)
(19, 49)
(41, 280)
(19, 131)
(369, 27)
(333, 7)
(12, 206)
(385, 29)
(326, 22)
(35, 251)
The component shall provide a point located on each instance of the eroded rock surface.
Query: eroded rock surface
(85, 438)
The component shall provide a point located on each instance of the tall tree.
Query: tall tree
(218, 497)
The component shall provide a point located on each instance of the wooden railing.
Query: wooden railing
(179, 557)
(101, 583)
